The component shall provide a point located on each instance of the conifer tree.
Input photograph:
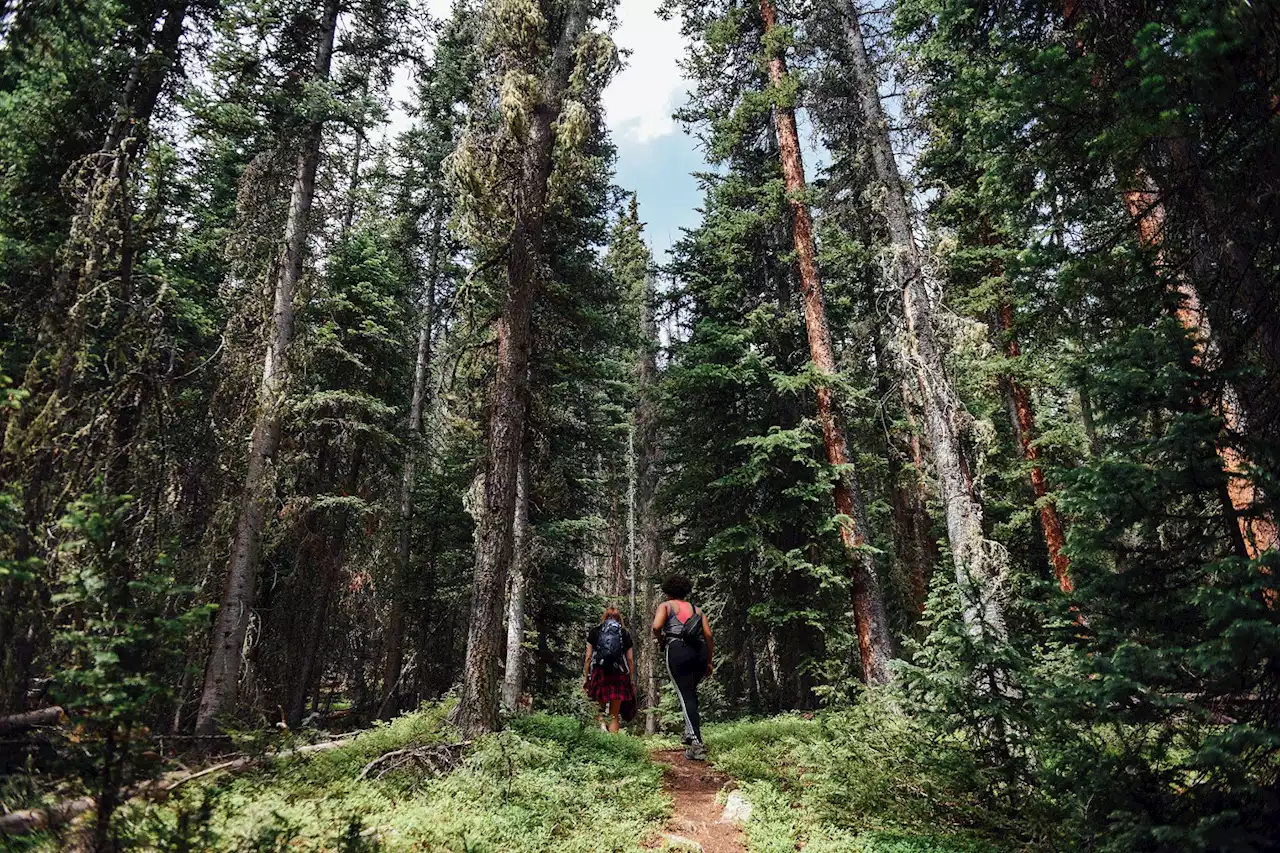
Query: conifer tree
(222, 671)
(443, 86)
(979, 572)
(536, 120)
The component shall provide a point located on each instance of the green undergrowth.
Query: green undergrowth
(861, 780)
(544, 784)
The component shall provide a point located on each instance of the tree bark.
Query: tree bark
(311, 666)
(1024, 424)
(617, 584)
(648, 454)
(222, 671)
(1086, 417)
(977, 572)
(18, 723)
(394, 662)
(477, 708)
(916, 549)
(357, 155)
(99, 243)
(871, 622)
(521, 544)
(1251, 533)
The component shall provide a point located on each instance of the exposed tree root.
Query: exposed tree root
(436, 759)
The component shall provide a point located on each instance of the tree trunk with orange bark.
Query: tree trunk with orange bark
(1251, 533)
(875, 644)
(1024, 423)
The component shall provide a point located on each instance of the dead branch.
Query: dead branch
(34, 820)
(435, 759)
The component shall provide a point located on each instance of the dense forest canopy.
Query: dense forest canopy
(328, 398)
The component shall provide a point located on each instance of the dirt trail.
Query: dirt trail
(693, 786)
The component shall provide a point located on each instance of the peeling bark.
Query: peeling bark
(978, 572)
(521, 545)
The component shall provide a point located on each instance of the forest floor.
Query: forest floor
(554, 784)
(696, 813)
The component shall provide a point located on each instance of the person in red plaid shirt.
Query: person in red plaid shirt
(609, 665)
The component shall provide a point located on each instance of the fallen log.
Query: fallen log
(59, 814)
(15, 723)
(34, 820)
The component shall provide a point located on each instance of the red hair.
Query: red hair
(612, 612)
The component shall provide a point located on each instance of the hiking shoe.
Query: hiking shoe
(696, 752)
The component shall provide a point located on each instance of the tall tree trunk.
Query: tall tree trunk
(521, 545)
(617, 565)
(1024, 424)
(648, 525)
(394, 661)
(871, 622)
(477, 708)
(977, 572)
(222, 671)
(353, 187)
(914, 546)
(1249, 294)
(1251, 534)
(1086, 417)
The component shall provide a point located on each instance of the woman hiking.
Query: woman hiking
(685, 634)
(608, 668)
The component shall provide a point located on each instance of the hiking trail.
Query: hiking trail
(697, 817)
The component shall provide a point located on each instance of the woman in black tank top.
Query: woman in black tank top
(688, 662)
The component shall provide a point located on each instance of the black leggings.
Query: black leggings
(687, 666)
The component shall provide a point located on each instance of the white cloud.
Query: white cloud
(640, 99)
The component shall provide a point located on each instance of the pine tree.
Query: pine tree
(871, 620)
(425, 203)
(222, 671)
(537, 119)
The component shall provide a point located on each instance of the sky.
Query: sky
(655, 157)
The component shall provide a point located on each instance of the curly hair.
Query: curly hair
(677, 586)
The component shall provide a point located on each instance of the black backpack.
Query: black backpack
(608, 648)
(691, 629)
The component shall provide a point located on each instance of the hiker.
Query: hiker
(608, 668)
(685, 634)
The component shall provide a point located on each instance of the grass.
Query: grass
(862, 780)
(545, 784)
(842, 782)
